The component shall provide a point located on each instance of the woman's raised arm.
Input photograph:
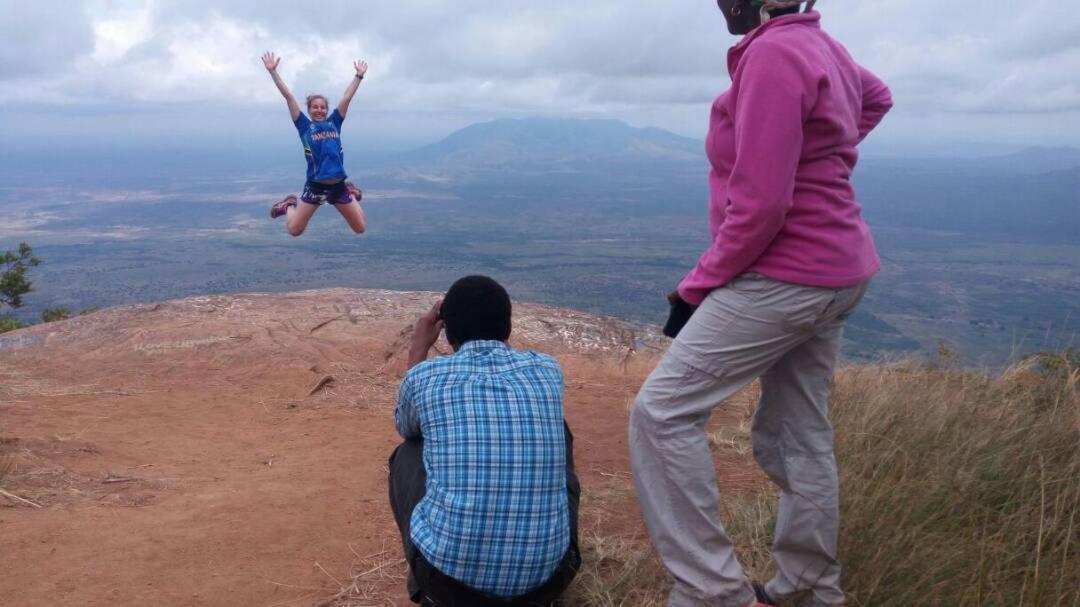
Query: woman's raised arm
(271, 62)
(343, 105)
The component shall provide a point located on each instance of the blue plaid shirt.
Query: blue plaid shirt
(495, 515)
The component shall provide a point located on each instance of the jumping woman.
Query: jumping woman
(321, 136)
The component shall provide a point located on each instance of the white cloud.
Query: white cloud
(118, 31)
(41, 38)
(472, 59)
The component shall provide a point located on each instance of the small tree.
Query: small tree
(14, 284)
(13, 281)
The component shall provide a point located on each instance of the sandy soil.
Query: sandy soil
(231, 450)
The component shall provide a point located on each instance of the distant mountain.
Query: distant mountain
(557, 145)
(1034, 194)
(1035, 160)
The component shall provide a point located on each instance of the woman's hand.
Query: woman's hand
(270, 61)
(674, 297)
(361, 68)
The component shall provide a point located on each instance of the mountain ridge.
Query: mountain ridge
(545, 143)
(557, 328)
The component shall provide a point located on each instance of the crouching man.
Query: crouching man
(483, 488)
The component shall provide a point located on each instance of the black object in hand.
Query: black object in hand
(678, 317)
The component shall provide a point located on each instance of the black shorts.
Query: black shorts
(322, 193)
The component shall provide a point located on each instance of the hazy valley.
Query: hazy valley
(594, 215)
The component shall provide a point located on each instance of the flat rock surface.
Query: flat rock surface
(232, 450)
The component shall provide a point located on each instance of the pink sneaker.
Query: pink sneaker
(282, 206)
(354, 191)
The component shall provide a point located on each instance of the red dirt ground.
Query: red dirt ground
(181, 457)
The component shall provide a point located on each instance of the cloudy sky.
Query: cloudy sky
(963, 72)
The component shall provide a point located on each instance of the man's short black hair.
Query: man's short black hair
(476, 307)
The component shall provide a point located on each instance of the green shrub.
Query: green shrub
(8, 323)
(55, 314)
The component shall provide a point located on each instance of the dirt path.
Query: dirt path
(179, 458)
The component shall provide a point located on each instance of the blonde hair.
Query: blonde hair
(311, 98)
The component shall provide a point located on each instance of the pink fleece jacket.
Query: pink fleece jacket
(782, 147)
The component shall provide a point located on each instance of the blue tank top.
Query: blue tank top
(322, 147)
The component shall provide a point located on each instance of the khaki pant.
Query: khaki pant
(789, 336)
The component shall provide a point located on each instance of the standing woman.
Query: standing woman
(790, 260)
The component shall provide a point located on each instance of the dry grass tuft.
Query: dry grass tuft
(6, 465)
(732, 439)
(7, 461)
(375, 579)
(959, 489)
(617, 572)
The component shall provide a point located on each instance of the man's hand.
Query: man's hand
(425, 334)
(270, 61)
(361, 68)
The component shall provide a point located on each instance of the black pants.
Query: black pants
(429, 586)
